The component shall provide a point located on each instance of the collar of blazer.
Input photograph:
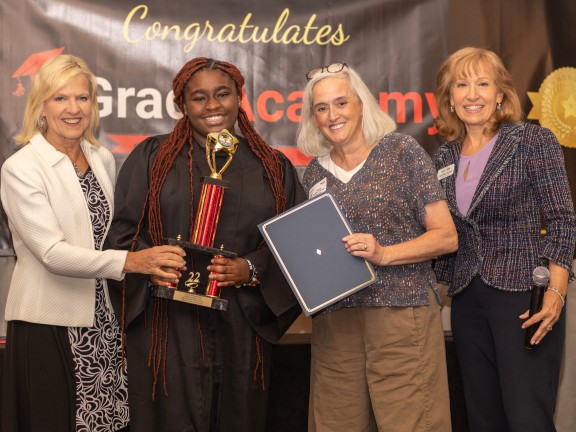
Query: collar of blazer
(100, 160)
(49, 153)
(505, 148)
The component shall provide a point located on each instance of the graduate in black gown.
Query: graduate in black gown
(193, 368)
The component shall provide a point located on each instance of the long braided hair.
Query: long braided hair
(181, 136)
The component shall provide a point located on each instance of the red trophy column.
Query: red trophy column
(206, 224)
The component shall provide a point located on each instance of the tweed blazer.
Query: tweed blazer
(523, 188)
(54, 280)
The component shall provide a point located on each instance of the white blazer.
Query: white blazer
(54, 280)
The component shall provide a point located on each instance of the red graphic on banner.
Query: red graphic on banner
(295, 156)
(31, 66)
(126, 143)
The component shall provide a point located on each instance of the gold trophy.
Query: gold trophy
(204, 228)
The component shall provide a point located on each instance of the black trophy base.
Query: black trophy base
(190, 298)
(184, 296)
(199, 248)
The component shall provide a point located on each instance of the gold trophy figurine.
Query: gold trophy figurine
(206, 219)
(205, 225)
(223, 142)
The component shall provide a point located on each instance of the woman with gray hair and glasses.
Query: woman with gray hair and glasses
(378, 360)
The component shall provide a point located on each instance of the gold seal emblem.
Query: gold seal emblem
(554, 105)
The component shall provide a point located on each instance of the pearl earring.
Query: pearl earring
(499, 106)
(451, 108)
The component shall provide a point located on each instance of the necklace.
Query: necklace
(74, 161)
(79, 172)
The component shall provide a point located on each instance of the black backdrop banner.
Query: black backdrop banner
(136, 47)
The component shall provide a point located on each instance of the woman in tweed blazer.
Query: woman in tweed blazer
(62, 367)
(504, 180)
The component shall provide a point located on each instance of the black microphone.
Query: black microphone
(540, 278)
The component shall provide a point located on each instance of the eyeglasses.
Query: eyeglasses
(332, 68)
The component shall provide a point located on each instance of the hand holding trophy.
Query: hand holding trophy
(205, 225)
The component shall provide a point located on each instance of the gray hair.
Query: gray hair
(375, 122)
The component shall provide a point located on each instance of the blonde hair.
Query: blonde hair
(461, 64)
(54, 74)
(375, 122)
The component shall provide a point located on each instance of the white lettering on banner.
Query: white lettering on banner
(155, 104)
(106, 101)
(270, 106)
(171, 107)
(148, 102)
(123, 95)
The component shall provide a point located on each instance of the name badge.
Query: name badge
(318, 188)
(447, 171)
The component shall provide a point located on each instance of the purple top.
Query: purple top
(470, 168)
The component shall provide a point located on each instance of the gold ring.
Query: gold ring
(365, 246)
(549, 328)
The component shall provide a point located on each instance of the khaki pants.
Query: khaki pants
(379, 369)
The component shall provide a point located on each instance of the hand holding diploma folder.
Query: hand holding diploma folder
(306, 241)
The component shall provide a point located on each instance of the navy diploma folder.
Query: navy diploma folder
(306, 241)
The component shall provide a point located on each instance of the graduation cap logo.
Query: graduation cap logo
(31, 66)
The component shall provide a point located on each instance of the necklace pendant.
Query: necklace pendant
(79, 172)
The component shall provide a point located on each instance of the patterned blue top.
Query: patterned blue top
(386, 198)
(101, 384)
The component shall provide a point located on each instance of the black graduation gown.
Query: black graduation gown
(213, 377)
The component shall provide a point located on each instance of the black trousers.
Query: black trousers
(39, 392)
(507, 387)
(39, 387)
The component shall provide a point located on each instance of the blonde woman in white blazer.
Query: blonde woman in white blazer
(63, 361)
